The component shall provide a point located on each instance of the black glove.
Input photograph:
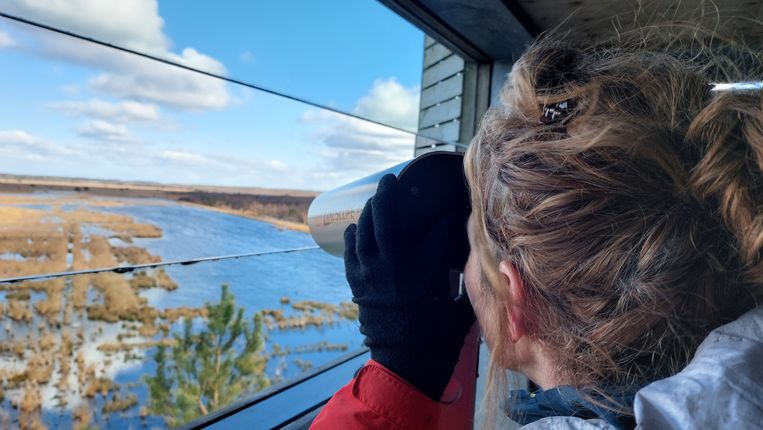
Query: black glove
(399, 272)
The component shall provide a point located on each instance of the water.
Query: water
(11, 256)
(257, 283)
(191, 232)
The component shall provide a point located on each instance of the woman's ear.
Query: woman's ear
(515, 306)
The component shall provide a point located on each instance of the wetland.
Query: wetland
(154, 347)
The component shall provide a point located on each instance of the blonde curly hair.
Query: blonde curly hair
(634, 218)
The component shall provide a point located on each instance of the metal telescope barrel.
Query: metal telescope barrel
(434, 184)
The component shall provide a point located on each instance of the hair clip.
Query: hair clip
(555, 112)
(737, 86)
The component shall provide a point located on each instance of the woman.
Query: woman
(616, 222)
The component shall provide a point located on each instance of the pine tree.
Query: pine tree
(210, 368)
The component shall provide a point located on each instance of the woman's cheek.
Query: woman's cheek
(474, 289)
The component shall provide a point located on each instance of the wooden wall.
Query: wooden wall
(442, 88)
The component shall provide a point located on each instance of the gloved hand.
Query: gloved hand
(399, 270)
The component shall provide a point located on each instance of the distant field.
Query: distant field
(24, 182)
(282, 207)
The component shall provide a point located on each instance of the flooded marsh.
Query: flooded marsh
(122, 350)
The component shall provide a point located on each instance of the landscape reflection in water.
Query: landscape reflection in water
(155, 347)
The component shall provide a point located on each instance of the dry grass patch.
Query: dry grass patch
(120, 301)
(312, 305)
(50, 307)
(100, 253)
(19, 311)
(81, 417)
(100, 386)
(80, 286)
(148, 329)
(348, 310)
(16, 215)
(65, 353)
(29, 409)
(39, 368)
(133, 255)
(20, 294)
(19, 348)
(157, 279)
(173, 314)
(303, 321)
(133, 229)
(40, 255)
(47, 341)
(118, 403)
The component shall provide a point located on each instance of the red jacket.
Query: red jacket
(378, 399)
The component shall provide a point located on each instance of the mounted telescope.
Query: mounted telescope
(433, 186)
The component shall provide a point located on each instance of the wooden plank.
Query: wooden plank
(428, 41)
(440, 113)
(446, 68)
(434, 54)
(443, 90)
(447, 132)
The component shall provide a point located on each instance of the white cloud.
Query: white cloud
(16, 137)
(6, 41)
(147, 80)
(185, 157)
(26, 147)
(354, 148)
(103, 130)
(221, 164)
(24, 153)
(121, 112)
(276, 164)
(134, 24)
(390, 103)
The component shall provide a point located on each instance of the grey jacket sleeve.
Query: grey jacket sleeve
(721, 388)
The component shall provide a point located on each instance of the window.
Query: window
(177, 198)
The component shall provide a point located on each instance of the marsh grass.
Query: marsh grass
(56, 240)
(118, 403)
(66, 333)
(158, 279)
(308, 313)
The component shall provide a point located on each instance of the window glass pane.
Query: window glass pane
(59, 125)
(111, 160)
(112, 349)
(355, 56)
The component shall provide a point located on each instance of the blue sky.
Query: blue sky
(75, 109)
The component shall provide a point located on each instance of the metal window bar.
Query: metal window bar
(130, 268)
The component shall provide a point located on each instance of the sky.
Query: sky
(71, 108)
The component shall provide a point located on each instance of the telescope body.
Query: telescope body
(433, 184)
